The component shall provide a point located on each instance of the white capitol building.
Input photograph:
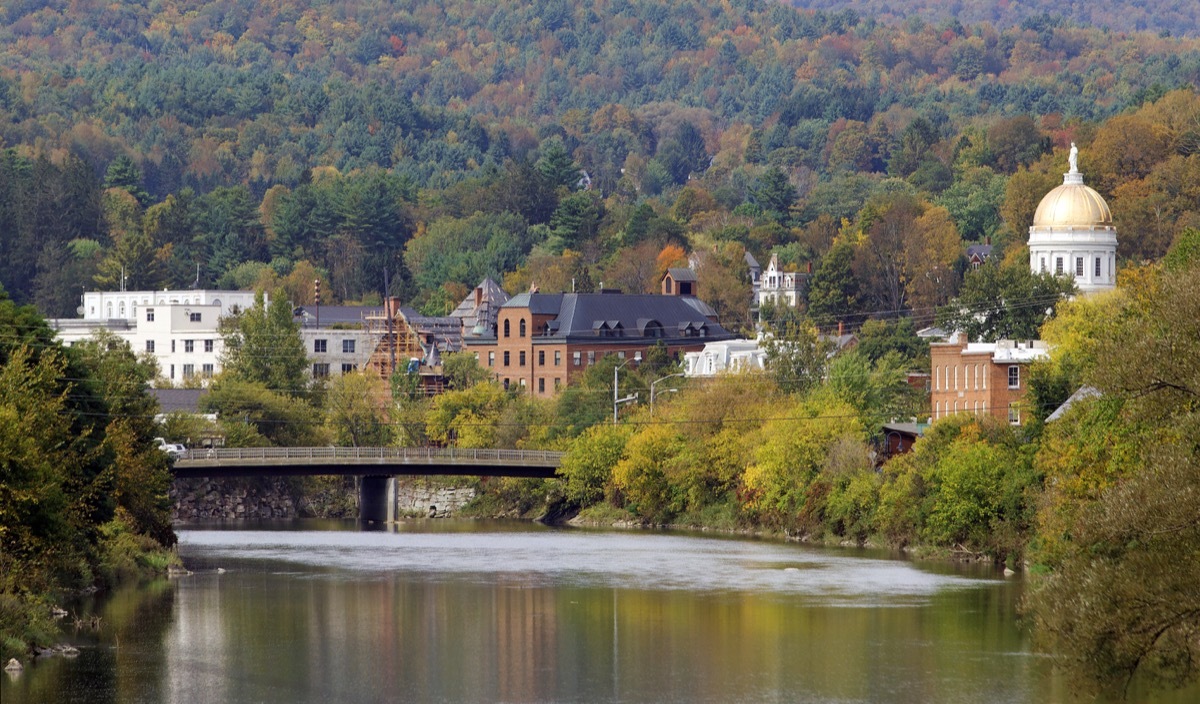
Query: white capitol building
(1073, 233)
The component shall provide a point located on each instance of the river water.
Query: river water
(449, 611)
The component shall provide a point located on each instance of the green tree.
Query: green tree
(833, 291)
(1005, 301)
(587, 466)
(775, 194)
(796, 358)
(354, 406)
(263, 346)
(557, 167)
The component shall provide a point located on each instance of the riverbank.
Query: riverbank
(32, 623)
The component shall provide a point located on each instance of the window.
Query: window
(1042, 268)
(1097, 274)
(935, 376)
(1058, 265)
(172, 371)
(637, 357)
(189, 371)
(347, 346)
(541, 358)
(1079, 266)
(491, 359)
(521, 358)
(506, 357)
(557, 358)
(320, 346)
(591, 358)
(208, 345)
(1014, 377)
(347, 367)
(521, 382)
(506, 384)
(172, 347)
(575, 358)
(193, 317)
(189, 346)
(506, 332)
(150, 346)
(557, 383)
(621, 355)
(521, 329)
(1014, 414)
(206, 370)
(320, 370)
(541, 386)
(149, 315)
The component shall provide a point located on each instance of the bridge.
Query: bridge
(376, 465)
(364, 461)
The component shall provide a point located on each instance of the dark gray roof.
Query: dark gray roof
(682, 273)
(751, 261)
(590, 315)
(445, 330)
(917, 429)
(334, 315)
(179, 400)
(1082, 393)
(982, 251)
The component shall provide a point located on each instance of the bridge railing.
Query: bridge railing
(401, 454)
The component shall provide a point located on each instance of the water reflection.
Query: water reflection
(444, 612)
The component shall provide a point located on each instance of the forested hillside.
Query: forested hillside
(1170, 17)
(238, 143)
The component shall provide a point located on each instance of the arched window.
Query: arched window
(521, 329)
(506, 328)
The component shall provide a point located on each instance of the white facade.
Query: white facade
(725, 356)
(1073, 234)
(178, 329)
(782, 288)
(124, 305)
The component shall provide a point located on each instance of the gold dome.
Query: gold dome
(1073, 205)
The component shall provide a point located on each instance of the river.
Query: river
(474, 611)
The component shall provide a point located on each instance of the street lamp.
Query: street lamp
(654, 383)
(618, 401)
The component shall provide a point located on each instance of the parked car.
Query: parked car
(172, 449)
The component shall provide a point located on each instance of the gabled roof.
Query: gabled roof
(681, 273)
(979, 251)
(1082, 393)
(751, 261)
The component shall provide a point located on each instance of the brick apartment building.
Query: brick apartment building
(982, 378)
(544, 341)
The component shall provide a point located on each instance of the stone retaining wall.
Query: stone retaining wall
(223, 499)
(415, 497)
(207, 499)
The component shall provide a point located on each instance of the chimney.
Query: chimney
(841, 328)
(987, 239)
(809, 267)
(478, 296)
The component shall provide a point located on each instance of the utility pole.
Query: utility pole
(618, 401)
(317, 295)
(654, 383)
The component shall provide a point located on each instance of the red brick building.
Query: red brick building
(982, 378)
(544, 341)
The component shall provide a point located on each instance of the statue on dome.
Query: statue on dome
(1073, 159)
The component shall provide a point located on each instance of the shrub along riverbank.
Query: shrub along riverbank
(1102, 505)
(83, 492)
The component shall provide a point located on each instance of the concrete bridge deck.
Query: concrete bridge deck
(365, 461)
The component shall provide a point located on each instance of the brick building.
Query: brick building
(982, 378)
(544, 341)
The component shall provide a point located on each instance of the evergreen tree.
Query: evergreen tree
(124, 174)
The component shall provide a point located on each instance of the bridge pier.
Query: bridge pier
(373, 494)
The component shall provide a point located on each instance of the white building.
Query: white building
(725, 356)
(178, 329)
(781, 288)
(1073, 233)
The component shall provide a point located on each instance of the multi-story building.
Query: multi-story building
(178, 329)
(1073, 234)
(782, 288)
(982, 378)
(544, 341)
